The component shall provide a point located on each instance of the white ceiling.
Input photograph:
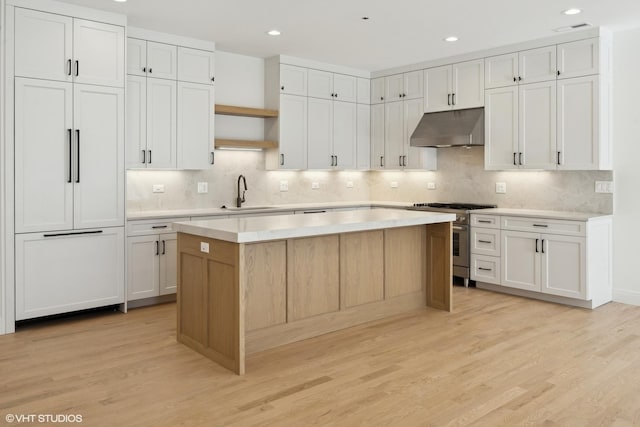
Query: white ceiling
(399, 32)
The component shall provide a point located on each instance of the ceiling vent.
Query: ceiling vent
(572, 27)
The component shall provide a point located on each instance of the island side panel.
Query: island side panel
(361, 268)
(439, 266)
(210, 309)
(404, 255)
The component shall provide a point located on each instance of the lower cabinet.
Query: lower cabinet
(151, 265)
(60, 272)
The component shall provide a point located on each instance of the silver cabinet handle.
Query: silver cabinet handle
(456, 227)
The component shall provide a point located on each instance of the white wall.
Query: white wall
(626, 132)
(2, 182)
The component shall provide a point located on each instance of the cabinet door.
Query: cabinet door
(579, 58)
(404, 255)
(143, 269)
(293, 132)
(195, 66)
(394, 88)
(59, 274)
(500, 71)
(377, 136)
(537, 125)
(416, 157)
(578, 120)
(520, 260)
(98, 51)
(345, 88)
(136, 57)
(196, 109)
(293, 80)
(99, 180)
(413, 85)
(501, 128)
(377, 90)
(564, 266)
(344, 134)
(468, 84)
(168, 263)
(320, 134)
(437, 88)
(537, 65)
(162, 61)
(363, 135)
(43, 45)
(364, 91)
(320, 84)
(394, 135)
(136, 141)
(43, 161)
(161, 123)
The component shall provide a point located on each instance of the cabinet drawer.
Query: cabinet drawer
(550, 226)
(152, 226)
(485, 241)
(485, 269)
(485, 221)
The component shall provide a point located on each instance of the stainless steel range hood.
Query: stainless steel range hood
(457, 128)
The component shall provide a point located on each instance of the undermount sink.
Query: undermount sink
(247, 208)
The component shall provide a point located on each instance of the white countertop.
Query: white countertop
(277, 227)
(570, 216)
(168, 213)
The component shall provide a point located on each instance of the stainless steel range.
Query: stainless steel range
(461, 232)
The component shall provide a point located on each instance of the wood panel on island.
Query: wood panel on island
(259, 113)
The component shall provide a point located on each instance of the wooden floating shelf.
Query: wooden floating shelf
(231, 110)
(243, 143)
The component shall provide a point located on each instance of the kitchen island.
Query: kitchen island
(249, 284)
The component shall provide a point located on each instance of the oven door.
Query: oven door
(460, 245)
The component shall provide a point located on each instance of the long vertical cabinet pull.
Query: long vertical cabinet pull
(537, 240)
(69, 67)
(282, 159)
(144, 156)
(542, 246)
(157, 248)
(78, 155)
(77, 68)
(70, 179)
(149, 161)
(164, 247)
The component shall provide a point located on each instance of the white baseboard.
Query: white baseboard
(626, 297)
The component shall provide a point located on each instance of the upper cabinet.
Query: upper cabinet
(579, 58)
(55, 47)
(293, 80)
(404, 86)
(455, 86)
(537, 65)
(377, 90)
(195, 66)
(364, 91)
(158, 60)
(326, 85)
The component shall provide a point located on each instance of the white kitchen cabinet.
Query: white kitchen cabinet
(377, 90)
(501, 71)
(293, 80)
(161, 124)
(326, 85)
(195, 65)
(501, 128)
(537, 65)
(537, 125)
(394, 134)
(364, 91)
(579, 58)
(377, 136)
(43, 154)
(136, 57)
(290, 131)
(55, 47)
(485, 268)
(99, 187)
(400, 120)
(136, 140)
(332, 127)
(563, 265)
(169, 264)
(404, 86)
(151, 265)
(520, 260)
(67, 271)
(393, 88)
(455, 86)
(195, 140)
(363, 134)
(344, 134)
(151, 59)
(345, 88)
(416, 157)
(578, 141)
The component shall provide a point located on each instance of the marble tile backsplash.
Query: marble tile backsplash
(460, 177)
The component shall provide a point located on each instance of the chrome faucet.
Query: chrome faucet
(240, 200)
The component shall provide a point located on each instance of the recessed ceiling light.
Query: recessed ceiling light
(451, 39)
(572, 11)
(120, 1)
(273, 32)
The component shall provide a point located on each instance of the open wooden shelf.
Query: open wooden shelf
(232, 110)
(243, 143)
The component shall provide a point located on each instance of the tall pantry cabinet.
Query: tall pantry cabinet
(68, 146)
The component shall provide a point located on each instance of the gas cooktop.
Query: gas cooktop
(459, 206)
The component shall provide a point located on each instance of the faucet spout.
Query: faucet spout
(240, 199)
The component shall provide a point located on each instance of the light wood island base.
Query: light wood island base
(241, 298)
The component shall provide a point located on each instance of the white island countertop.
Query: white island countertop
(278, 227)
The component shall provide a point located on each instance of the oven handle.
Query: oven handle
(457, 227)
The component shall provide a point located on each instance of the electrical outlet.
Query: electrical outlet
(204, 247)
(203, 187)
(394, 184)
(158, 188)
(315, 185)
(349, 184)
(431, 185)
(284, 185)
(604, 187)
(501, 187)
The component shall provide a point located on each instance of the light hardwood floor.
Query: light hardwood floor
(496, 360)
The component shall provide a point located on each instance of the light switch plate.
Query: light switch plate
(501, 187)
(431, 185)
(394, 184)
(284, 185)
(604, 187)
(204, 247)
(315, 185)
(203, 187)
(158, 188)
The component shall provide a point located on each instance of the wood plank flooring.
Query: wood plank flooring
(496, 360)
